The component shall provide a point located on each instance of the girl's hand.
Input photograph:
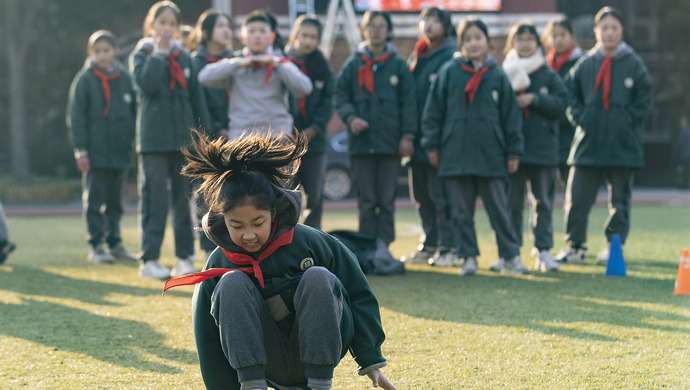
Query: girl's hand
(358, 125)
(83, 164)
(513, 165)
(378, 380)
(310, 132)
(433, 158)
(406, 147)
(525, 100)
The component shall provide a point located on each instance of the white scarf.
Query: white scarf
(518, 68)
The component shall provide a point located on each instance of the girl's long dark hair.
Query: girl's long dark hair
(519, 28)
(245, 171)
(203, 31)
(316, 63)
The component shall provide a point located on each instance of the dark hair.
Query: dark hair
(315, 63)
(521, 28)
(204, 28)
(443, 16)
(155, 11)
(561, 22)
(472, 21)
(608, 11)
(260, 15)
(101, 35)
(370, 15)
(278, 42)
(250, 170)
(303, 19)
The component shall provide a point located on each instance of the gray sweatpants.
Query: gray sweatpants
(308, 343)
(426, 188)
(462, 194)
(539, 182)
(581, 193)
(4, 231)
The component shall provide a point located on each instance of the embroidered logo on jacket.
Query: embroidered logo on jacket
(495, 95)
(306, 263)
(628, 82)
(127, 98)
(394, 80)
(187, 72)
(544, 90)
(318, 84)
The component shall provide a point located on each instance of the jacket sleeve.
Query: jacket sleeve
(553, 104)
(407, 96)
(344, 98)
(298, 83)
(220, 74)
(576, 102)
(434, 112)
(77, 112)
(511, 120)
(148, 71)
(642, 99)
(202, 116)
(324, 111)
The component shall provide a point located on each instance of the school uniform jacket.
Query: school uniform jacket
(391, 112)
(425, 72)
(281, 274)
(166, 116)
(610, 137)
(216, 99)
(473, 138)
(319, 107)
(108, 138)
(566, 129)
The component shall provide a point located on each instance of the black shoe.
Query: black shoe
(5, 249)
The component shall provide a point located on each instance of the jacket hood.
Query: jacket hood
(147, 44)
(363, 49)
(623, 50)
(490, 60)
(446, 43)
(201, 51)
(114, 68)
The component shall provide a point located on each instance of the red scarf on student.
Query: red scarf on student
(211, 60)
(301, 102)
(421, 50)
(269, 68)
(236, 258)
(176, 74)
(557, 63)
(106, 86)
(365, 73)
(472, 85)
(605, 76)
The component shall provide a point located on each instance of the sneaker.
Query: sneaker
(469, 267)
(153, 269)
(497, 266)
(5, 249)
(420, 257)
(99, 255)
(571, 255)
(446, 258)
(120, 253)
(544, 262)
(603, 256)
(514, 266)
(183, 267)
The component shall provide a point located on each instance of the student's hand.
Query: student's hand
(310, 132)
(264, 59)
(433, 158)
(358, 125)
(513, 165)
(378, 380)
(243, 62)
(162, 42)
(406, 147)
(525, 100)
(83, 164)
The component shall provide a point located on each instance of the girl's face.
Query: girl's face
(525, 44)
(475, 45)
(307, 39)
(609, 33)
(432, 28)
(376, 32)
(561, 39)
(103, 54)
(248, 226)
(165, 25)
(222, 33)
(257, 36)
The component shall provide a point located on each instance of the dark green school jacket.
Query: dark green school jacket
(610, 137)
(540, 128)
(424, 73)
(109, 140)
(281, 272)
(472, 138)
(391, 114)
(566, 129)
(166, 117)
(319, 106)
(216, 99)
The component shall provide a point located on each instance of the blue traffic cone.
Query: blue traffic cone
(616, 264)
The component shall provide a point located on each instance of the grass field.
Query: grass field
(67, 324)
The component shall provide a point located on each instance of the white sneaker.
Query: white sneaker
(497, 266)
(183, 267)
(447, 259)
(514, 266)
(154, 270)
(603, 256)
(469, 267)
(571, 255)
(100, 255)
(121, 254)
(419, 257)
(544, 262)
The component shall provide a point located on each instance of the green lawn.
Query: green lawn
(67, 324)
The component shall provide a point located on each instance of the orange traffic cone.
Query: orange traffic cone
(683, 278)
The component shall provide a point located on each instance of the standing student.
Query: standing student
(437, 45)
(471, 131)
(611, 94)
(542, 96)
(561, 57)
(100, 117)
(259, 80)
(6, 246)
(280, 303)
(375, 97)
(171, 103)
(313, 112)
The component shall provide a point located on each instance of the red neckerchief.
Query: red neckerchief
(472, 85)
(269, 68)
(557, 63)
(525, 110)
(301, 102)
(106, 86)
(365, 73)
(605, 75)
(237, 258)
(211, 60)
(176, 74)
(421, 50)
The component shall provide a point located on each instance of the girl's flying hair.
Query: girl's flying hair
(249, 170)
